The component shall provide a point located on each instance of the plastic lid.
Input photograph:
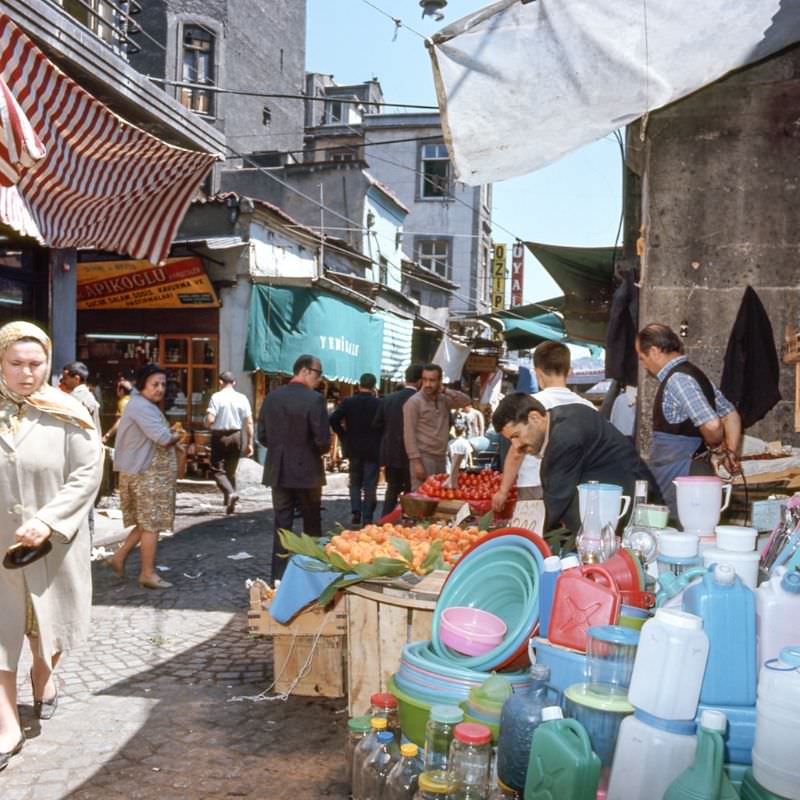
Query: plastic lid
(451, 715)
(473, 733)
(550, 713)
(737, 538)
(569, 562)
(791, 655)
(590, 696)
(385, 736)
(379, 723)
(680, 619)
(724, 574)
(678, 545)
(409, 750)
(713, 720)
(383, 700)
(434, 782)
(359, 724)
(552, 564)
(615, 634)
(791, 582)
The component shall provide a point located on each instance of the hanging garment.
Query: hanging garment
(622, 364)
(451, 356)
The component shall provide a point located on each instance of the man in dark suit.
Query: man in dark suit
(389, 419)
(352, 421)
(576, 445)
(293, 426)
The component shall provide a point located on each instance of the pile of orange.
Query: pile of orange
(374, 541)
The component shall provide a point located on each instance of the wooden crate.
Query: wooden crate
(307, 623)
(324, 678)
(380, 621)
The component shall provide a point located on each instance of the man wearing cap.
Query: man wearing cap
(230, 419)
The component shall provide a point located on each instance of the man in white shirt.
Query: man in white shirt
(551, 362)
(230, 419)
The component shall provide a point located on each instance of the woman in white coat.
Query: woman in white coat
(50, 471)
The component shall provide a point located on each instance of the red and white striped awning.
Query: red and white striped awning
(20, 147)
(103, 183)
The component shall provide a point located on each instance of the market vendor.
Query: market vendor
(696, 430)
(576, 445)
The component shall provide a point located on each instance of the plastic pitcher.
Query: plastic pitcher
(613, 504)
(651, 753)
(562, 765)
(727, 608)
(584, 597)
(700, 503)
(669, 666)
(610, 654)
(705, 779)
(777, 614)
(521, 715)
(551, 569)
(776, 765)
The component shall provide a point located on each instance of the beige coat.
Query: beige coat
(50, 470)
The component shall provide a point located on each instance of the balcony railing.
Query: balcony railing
(110, 20)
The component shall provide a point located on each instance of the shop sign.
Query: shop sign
(517, 272)
(176, 283)
(499, 277)
(477, 363)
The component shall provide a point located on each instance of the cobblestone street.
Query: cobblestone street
(145, 709)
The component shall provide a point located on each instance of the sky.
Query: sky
(575, 201)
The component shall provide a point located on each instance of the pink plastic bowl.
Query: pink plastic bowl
(471, 631)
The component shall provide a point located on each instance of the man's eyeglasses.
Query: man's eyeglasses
(313, 369)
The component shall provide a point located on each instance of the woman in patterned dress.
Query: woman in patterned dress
(144, 456)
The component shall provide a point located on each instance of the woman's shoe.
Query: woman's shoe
(6, 757)
(45, 709)
(155, 583)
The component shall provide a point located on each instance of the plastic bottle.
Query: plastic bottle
(705, 779)
(777, 614)
(521, 715)
(362, 752)
(547, 587)
(439, 730)
(470, 755)
(358, 728)
(669, 666)
(378, 766)
(727, 608)
(401, 783)
(433, 785)
(562, 765)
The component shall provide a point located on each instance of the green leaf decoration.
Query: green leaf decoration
(434, 558)
(338, 562)
(485, 522)
(402, 547)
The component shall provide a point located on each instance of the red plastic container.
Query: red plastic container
(623, 569)
(584, 597)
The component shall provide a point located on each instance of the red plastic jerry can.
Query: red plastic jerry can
(584, 597)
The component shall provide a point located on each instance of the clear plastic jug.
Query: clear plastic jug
(777, 614)
(401, 783)
(362, 753)
(377, 767)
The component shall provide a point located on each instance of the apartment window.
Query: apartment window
(383, 271)
(266, 116)
(333, 112)
(434, 171)
(198, 67)
(344, 154)
(434, 254)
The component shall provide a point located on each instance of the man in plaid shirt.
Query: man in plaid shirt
(696, 430)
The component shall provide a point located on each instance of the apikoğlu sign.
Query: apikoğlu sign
(177, 283)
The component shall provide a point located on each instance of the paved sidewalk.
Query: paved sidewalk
(145, 707)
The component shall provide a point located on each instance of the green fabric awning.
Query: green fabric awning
(287, 321)
(522, 334)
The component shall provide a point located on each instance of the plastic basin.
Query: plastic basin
(471, 631)
(413, 714)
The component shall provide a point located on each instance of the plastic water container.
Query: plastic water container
(562, 764)
(727, 608)
(650, 754)
(735, 545)
(741, 732)
(547, 588)
(378, 766)
(600, 713)
(363, 752)
(777, 613)
(401, 783)
(751, 789)
(776, 765)
(669, 667)
(566, 666)
(705, 779)
(678, 552)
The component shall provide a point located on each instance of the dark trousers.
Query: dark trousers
(398, 481)
(284, 501)
(226, 450)
(363, 487)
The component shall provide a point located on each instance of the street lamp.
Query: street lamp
(433, 8)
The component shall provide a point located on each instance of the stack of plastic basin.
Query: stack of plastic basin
(485, 704)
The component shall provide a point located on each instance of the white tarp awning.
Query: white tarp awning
(521, 84)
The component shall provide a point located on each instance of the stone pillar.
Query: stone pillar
(63, 306)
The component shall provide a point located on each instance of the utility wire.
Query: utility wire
(397, 21)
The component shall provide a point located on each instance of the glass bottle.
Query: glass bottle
(439, 731)
(378, 766)
(637, 536)
(362, 752)
(401, 783)
(470, 754)
(358, 728)
(589, 541)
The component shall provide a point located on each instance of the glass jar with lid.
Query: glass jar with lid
(470, 758)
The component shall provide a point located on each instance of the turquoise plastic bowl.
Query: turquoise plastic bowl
(503, 578)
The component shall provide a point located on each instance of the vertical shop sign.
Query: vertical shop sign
(517, 272)
(499, 277)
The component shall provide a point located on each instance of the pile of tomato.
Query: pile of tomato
(472, 486)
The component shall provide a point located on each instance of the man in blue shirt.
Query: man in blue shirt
(696, 430)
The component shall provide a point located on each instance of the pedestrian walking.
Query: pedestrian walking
(123, 389)
(146, 460)
(393, 456)
(74, 379)
(352, 421)
(293, 426)
(49, 475)
(230, 419)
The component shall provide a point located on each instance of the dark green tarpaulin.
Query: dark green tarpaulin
(286, 322)
(586, 276)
